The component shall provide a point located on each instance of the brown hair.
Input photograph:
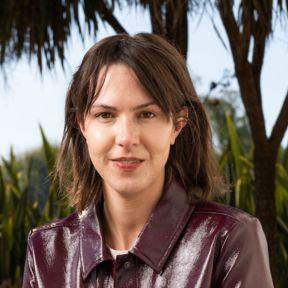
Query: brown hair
(163, 73)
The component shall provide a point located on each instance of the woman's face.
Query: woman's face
(127, 134)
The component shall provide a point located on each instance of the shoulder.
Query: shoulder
(69, 221)
(226, 220)
(67, 225)
(223, 212)
(229, 228)
(239, 242)
(51, 248)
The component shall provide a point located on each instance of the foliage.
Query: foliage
(41, 29)
(239, 169)
(20, 210)
(243, 179)
(217, 105)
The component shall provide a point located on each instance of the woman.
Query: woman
(142, 173)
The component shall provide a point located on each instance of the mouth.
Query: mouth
(127, 163)
(128, 159)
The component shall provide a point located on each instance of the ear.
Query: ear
(82, 128)
(180, 122)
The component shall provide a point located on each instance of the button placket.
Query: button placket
(125, 274)
(127, 264)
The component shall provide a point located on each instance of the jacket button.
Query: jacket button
(127, 264)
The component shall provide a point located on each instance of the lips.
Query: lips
(127, 163)
(128, 159)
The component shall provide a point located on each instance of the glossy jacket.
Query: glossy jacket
(181, 245)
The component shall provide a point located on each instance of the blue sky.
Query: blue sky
(29, 99)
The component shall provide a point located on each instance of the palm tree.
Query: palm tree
(41, 29)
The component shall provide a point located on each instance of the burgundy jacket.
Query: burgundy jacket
(181, 245)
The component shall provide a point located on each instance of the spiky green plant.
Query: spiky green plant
(19, 213)
(238, 165)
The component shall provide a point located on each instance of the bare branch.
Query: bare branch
(280, 126)
(231, 27)
(246, 22)
(107, 15)
(218, 34)
(156, 17)
(262, 18)
(243, 69)
(176, 25)
(258, 54)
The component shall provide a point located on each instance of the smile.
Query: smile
(127, 164)
(129, 161)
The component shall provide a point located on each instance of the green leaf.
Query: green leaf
(48, 150)
(2, 192)
(285, 158)
(235, 144)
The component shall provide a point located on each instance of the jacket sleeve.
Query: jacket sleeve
(29, 275)
(243, 261)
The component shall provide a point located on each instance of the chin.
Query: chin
(127, 186)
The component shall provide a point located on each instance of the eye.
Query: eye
(104, 115)
(147, 114)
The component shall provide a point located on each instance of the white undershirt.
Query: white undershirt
(115, 253)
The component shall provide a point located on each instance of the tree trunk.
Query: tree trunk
(264, 158)
(170, 20)
(177, 24)
(265, 176)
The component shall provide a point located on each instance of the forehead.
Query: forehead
(119, 84)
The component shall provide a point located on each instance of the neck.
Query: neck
(124, 217)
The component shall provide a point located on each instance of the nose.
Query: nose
(126, 133)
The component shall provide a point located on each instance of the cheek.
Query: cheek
(99, 144)
(159, 145)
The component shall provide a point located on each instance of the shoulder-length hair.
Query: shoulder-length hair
(162, 71)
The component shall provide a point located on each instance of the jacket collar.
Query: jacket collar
(153, 245)
(160, 234)
(93, 249)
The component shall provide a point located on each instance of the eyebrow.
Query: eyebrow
(102, 105)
